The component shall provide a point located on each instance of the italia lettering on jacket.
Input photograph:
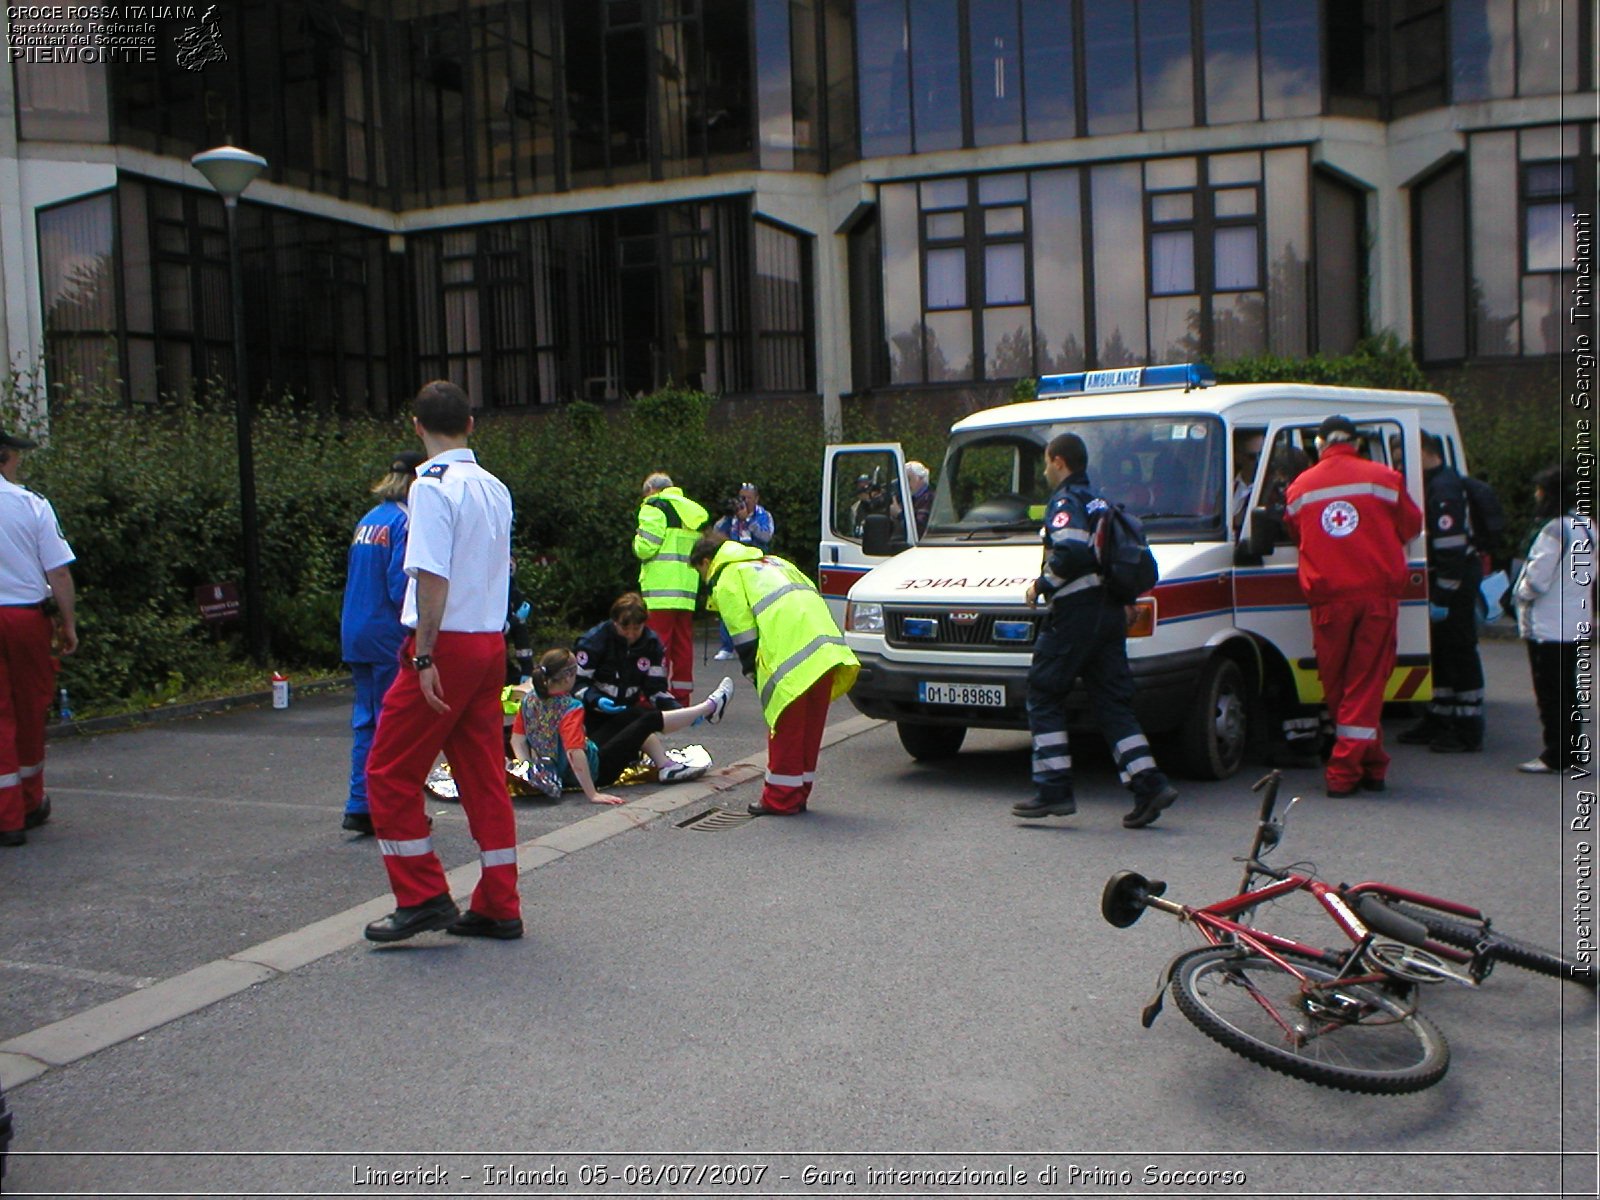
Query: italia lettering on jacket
(371, 535)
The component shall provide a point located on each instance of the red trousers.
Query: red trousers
(27, 683)
(1355, 648)
(675, 628)
(410, 735)
(793, 747)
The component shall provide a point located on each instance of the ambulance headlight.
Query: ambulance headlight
(863, 618)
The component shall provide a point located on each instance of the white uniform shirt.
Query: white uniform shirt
(460, 529)
(30, 544)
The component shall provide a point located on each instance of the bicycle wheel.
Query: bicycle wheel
(1467, 936)
(1351, 1036)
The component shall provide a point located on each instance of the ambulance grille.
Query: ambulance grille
(951, 633)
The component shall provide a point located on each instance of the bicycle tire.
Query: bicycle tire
(1220, 989)
(1466, 936)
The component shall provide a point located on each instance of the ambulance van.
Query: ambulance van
(1220, 649)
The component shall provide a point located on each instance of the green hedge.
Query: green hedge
(149, 501)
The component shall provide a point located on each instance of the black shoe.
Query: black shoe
(437, 913)
(1374, 785)
(13, 837)
(1453, 743)
(1040, 807)
(1423, 733)
(471, 924)
(38, 816)
(357, 823)
(757, 809)
(1147, 810)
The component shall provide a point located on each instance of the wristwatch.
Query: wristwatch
(421, 662)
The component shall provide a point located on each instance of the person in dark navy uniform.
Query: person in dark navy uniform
(1454, 721)
(621, 667)
(369, 627)
(1084, 634)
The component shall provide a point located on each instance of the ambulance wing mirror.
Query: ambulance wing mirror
(1266, 531)
(878, 538)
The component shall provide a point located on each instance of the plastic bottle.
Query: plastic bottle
(64, 706)
(280, 690)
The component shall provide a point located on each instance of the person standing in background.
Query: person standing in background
(1454, 721)
(369, 627)
(751, 525)
(35, 572)
(668, 525)
(447, 695)
(1352, 518)
(1554, 595)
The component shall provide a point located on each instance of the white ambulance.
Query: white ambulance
(1220, 649)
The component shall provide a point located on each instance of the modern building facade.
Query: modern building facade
(557, 199)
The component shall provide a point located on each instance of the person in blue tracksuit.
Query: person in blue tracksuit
(370, 627)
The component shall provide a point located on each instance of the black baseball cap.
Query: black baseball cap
(1337, 424)
(407, 461)
(12, 441)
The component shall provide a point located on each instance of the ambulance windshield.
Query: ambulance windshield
(1167, 470)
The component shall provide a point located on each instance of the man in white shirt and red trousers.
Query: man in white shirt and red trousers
(447, 695)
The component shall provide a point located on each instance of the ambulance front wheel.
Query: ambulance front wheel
(927, 743)
(1212, 742)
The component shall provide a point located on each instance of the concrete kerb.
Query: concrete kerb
(177, 712)
(32, 1054)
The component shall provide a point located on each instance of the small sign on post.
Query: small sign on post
(218, 602)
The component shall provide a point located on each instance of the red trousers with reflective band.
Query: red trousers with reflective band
(793, 747)
(1355, 648)
(410, 735)
(27, 683)
(675, 628)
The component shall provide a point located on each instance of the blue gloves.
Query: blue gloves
(1437, 613)
(607, 705)
(523, 610)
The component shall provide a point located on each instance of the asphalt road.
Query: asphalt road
(906, 978)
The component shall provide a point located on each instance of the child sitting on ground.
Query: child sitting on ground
(549, 733)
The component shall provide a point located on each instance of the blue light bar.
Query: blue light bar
(1127, 379)
(1013, 631)
(919, 627)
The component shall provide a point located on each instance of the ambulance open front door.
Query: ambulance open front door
(858, 481)
(1267, 597)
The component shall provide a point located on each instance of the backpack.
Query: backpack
(1126, 564)
(1485, 515)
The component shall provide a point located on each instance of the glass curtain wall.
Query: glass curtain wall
(1490, 295)
(603, 305)
(940, 74)
(1109, 264)
(314, 289)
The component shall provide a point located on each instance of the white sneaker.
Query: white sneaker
(680, 772)
(719, 700)
(724, 655)
(1536, 766)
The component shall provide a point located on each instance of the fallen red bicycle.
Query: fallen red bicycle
(1343, 1018)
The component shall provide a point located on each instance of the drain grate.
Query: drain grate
(714, 819)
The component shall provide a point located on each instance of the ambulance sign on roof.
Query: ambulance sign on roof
(1127, 379)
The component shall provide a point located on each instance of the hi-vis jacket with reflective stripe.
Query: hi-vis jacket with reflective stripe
(669, 526)
(765, 600)
(1351, 519)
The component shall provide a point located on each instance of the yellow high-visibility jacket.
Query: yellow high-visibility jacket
(669, 526)
(767, 603)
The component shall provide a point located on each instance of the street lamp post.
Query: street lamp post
(230, 170)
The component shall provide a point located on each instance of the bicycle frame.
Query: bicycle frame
(1216, 922)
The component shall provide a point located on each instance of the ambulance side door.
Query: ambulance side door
(857, 480)
(1268, 601)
